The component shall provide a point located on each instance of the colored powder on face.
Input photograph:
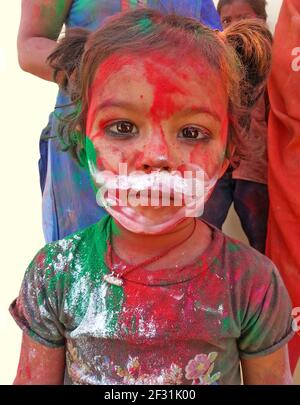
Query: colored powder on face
(107, 69)
(91, 152)
(158, 76)
(91, 157)
(172, 82)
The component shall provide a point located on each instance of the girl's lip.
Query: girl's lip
(159, 194)
(156, 198)
(154, 193)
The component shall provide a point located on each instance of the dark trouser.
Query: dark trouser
(251, 202)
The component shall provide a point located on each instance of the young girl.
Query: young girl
(245, 182)
(150, 295)
(68, 199)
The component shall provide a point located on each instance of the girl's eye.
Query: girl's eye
(122, 129)
(194, 134)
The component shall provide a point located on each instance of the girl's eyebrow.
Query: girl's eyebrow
(200, 110)
(127, 105)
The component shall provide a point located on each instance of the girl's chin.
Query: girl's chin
(159, 213)
(147, 220)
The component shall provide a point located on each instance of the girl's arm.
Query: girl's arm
(273, 369)
(40, 26)
(40, 364)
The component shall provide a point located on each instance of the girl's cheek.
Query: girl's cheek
(135, 160)
(91, 129)
(99, 161)
(210, 160)
(109, 157)
(211, 156)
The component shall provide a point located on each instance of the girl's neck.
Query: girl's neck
(134, 248)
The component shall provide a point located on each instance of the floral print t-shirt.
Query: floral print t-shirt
(187, 325)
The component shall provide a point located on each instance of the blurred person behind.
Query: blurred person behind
(245, 182)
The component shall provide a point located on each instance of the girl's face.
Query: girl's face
(236, 11)
(157, 114)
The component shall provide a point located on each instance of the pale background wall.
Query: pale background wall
(25, 104)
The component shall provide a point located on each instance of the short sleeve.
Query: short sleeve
(267, 325)
(33, 311)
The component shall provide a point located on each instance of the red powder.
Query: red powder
(162, 84)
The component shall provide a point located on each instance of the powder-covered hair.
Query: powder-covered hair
(258, 6)
(241, 55)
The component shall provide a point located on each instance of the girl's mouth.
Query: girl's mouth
(149, 198)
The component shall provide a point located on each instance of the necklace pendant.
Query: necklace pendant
(111, 279)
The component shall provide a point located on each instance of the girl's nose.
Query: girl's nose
(161, 164)
(155, 155)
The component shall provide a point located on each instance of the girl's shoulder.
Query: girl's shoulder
(240, 262)
(256, 297)
(259, 300)
(78, 253)
(58, 281)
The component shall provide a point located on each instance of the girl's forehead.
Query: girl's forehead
(160, 85)
(170, 72)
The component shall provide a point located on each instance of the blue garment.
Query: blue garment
(69, 202)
